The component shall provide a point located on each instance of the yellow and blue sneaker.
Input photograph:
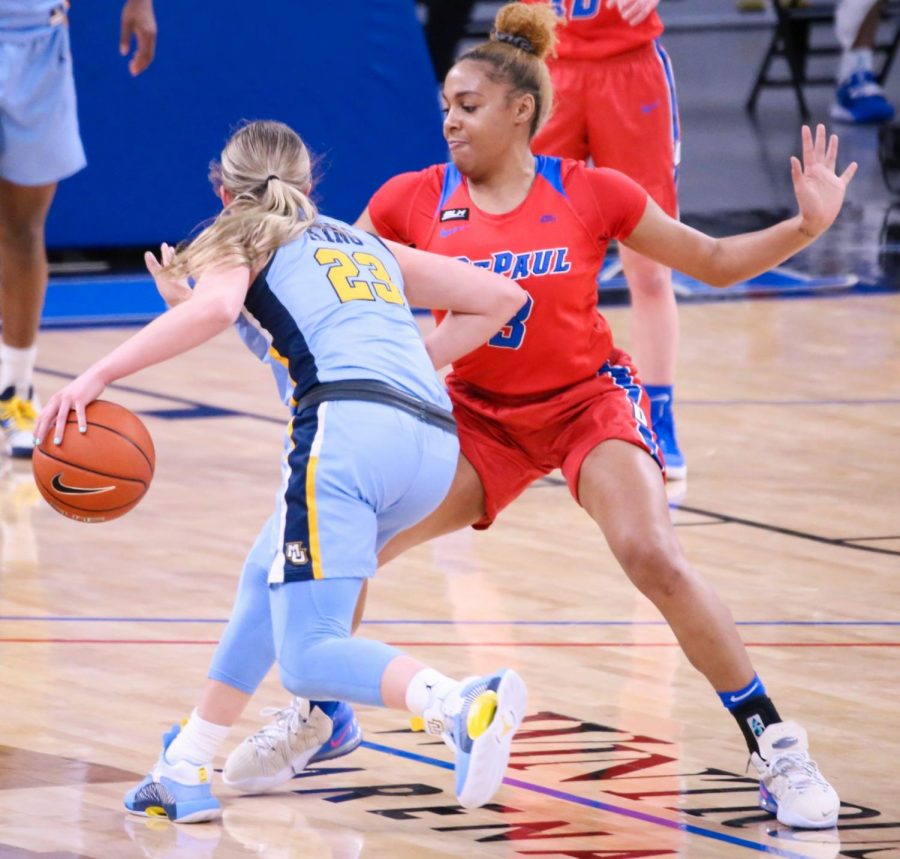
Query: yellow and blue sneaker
(182, 791)
(478, 720)
(18, 416)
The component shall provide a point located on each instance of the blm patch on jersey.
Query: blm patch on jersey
(454, 215)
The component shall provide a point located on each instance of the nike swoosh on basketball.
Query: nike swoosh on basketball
(63, 489)
(747, 694)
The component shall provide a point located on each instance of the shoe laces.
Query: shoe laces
(288, 721)
(799, 770)
(862, 84)
(20, 411)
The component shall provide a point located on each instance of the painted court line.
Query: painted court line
(444, 622)
(574, 799)
(511, 644)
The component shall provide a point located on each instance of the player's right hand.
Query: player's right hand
(172, 291)
(633, 11)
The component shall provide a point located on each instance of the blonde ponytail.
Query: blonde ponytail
(266, 169)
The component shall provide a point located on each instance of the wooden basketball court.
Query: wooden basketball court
(790, 418)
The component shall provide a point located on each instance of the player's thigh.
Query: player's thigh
(41, 141)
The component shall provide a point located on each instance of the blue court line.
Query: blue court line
(574, 799)
(423, 622)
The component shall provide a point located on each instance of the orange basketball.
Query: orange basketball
(100, 474)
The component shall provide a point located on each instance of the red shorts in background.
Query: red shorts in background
(620, 112)
(512, 441)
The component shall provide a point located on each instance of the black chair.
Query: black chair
(791, 41)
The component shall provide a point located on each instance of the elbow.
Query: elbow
(513, 300)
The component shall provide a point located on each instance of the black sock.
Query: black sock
(753, 716)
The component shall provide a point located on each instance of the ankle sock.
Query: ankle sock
(17, 368)
(425, 688)
(854, 60)
(752, 709)
(198, 741)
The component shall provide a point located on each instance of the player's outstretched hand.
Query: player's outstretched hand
(173, 291)
(633, 11)
(819, 189)
(74, 397)
(139, 22)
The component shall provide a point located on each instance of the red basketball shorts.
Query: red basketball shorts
(512, 441)
(620, 112)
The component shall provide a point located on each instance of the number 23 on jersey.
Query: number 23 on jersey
(358, 276)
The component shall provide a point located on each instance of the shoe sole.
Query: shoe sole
(768, 803)
(490, 751)
(201, 815)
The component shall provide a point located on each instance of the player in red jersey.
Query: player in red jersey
(551, 391)
(609, 63)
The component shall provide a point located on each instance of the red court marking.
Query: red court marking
(460, 643)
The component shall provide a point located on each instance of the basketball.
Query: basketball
(100, 474)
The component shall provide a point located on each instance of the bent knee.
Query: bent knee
(657, 567)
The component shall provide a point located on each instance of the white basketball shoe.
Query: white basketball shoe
(790, 784)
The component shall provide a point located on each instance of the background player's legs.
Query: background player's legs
(620, 487)
(858, 97)
(643, 142)
(23, 283)
(654, 343)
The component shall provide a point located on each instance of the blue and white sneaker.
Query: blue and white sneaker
(790, 784)
(300, 734)
(181, 791)
(478, 720)
(662, 417)
(859, 99)
(346, 735)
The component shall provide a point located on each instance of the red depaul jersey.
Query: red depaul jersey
(552, 244)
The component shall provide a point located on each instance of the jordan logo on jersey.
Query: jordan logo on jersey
(296, 553)
(531, 264)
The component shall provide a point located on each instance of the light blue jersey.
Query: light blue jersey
(330, 306)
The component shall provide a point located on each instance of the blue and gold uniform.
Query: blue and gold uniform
(330, 308)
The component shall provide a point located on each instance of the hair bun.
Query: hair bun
(530, 27)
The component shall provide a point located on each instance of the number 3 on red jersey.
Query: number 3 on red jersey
(511, 335)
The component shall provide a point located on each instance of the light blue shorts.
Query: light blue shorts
(39, 139)
(354, 475)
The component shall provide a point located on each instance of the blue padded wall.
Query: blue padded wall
(352, 76)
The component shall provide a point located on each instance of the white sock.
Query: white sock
(198, 741)
(17, 368)
(425, 688)
(855, 60)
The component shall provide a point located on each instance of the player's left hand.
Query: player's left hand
(819, 190)
(633, 11)
(138, 21)
(74, 397)
(172, 291)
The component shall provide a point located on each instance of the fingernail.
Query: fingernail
(57, 439)
(36, 441)
(82, 429)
